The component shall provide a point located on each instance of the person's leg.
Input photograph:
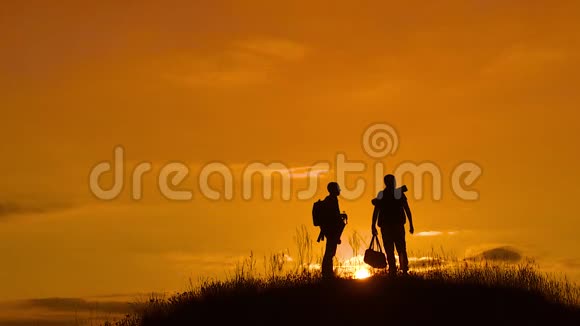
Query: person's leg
(329, 252)
(401, 245)
(388, 245)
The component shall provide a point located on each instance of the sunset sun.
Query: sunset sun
(361, 273)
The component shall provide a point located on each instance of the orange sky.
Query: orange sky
(484, 81)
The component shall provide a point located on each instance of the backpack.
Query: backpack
(319, 212)
(391, 209)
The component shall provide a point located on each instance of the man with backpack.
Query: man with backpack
(326, 214)
(391, 211)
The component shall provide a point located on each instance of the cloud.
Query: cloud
(8, 208)
(428, 233)
(425, 261)
(63, 311)
(522, 60)
(299, 172)
(241, 63)
(203, 260)
(11, 208)
(36, 322)
(571, 263)
(277, 49)
(434, 233)
(499, 254)
(76, 304)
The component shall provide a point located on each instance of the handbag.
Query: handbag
(375, 258)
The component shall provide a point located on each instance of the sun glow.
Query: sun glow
(362, 273)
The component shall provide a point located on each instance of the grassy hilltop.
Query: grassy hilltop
(468, 294)
(440, 290)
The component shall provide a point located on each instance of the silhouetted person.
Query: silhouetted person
(332, 228)
(391, 211)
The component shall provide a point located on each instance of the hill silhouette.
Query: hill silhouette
(478, 296)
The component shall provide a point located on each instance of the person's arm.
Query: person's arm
(375, 203)
(409, 216)
(337, 210)
(374, 223)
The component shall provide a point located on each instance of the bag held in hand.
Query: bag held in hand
(375, 258)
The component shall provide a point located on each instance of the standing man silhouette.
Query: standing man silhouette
(391, 211)
(332, 228)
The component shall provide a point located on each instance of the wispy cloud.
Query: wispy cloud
(301, 172)
(63, 311)
(277, 49)
(523, 60)
(298, 172)
(241, 63)
(570, 263)
(434, 233)
(77, 304)
(9, 207)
